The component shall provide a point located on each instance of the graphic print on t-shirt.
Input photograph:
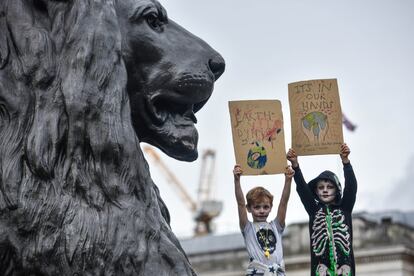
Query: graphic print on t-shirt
(330, 233)
(266, 239)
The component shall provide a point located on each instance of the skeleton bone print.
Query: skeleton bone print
(329, 232)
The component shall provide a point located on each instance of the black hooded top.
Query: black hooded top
(330, 226)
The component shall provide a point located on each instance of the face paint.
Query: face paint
(326, 191)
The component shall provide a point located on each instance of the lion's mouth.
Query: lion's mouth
(168, 114)
(175, 108)
(164, 110)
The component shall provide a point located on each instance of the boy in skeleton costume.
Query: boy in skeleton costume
(330, 217)
(263, 239)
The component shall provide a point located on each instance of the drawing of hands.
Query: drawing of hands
(315, 126)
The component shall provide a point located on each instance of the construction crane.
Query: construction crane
(205, 209)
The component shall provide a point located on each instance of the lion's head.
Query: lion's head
(170, 77)
(82, 83)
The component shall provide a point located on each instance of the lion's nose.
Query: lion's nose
(217, 66)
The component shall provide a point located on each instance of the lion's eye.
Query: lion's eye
(155, 22)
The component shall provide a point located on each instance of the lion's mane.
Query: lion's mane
(75, 191)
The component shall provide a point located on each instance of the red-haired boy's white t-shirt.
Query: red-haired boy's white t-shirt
(262, 236)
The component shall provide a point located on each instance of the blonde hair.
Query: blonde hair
(258, 193)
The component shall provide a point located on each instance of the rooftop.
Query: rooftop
(369, 229)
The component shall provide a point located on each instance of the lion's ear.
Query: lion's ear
(4, 47)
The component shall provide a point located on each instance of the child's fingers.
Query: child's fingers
(237, 169)
(345, 150)
(289, 171)
(291, 153)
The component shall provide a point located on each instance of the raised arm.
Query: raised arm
(241, 203)
(284, 199)
(306, 195)
(350, 190)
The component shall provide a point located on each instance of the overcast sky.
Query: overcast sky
(368, 46)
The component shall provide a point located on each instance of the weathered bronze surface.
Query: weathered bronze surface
(82, 83)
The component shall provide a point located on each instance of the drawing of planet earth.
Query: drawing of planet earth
(257, 158)
(315, 121)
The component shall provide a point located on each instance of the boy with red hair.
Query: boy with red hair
(263, 239)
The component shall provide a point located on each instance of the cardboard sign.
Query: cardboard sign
(258, 136)
(316, 117)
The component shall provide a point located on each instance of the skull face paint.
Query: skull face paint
(326, 191)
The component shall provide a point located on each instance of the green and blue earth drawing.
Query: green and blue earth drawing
(315, 121)
(257, 158)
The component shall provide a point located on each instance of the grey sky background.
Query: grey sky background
(367, 45)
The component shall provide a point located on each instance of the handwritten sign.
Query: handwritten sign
(316, 117)
(258, 136)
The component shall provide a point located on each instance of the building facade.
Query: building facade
(383, 246)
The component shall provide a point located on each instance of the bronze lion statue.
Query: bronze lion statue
(82, 83)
